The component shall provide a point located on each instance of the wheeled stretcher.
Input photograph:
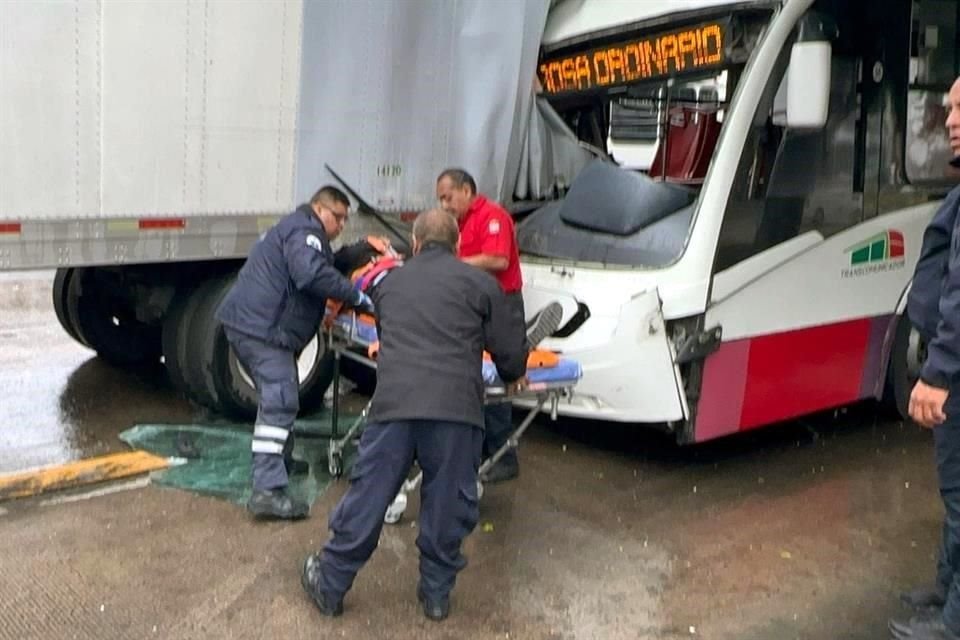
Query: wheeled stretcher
(548, 382)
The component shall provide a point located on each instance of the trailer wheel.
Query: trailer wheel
(220, 380)
(107, 323)
(196, 331)
(906, 358)
(65, 298)
(238, 392)
(176, 327)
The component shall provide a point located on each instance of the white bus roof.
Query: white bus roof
(572, 18)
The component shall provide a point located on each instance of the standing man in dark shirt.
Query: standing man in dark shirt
(934, 309)
(488, 241)
(269, 316)
(435, 317)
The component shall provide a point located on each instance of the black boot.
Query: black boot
(276, 504)
(924, 598)
(921, 628)
(437, 609)
(328, 604)
(506, 468)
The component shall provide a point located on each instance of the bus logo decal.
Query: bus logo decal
(877, 254)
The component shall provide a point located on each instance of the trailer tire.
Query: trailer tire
(906, 358)
(235, 387)
(219, 380)
(64, 299)
(195, 329)
(176, 327)
(108, 325)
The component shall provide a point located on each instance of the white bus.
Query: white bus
(757, 268)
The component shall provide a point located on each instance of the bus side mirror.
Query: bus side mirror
(808, 76)
(808, 85)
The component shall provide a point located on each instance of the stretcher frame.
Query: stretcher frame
(340, 341)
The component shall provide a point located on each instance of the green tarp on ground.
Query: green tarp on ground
(218, 456)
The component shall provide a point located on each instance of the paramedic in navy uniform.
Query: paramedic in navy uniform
(435, 316)
(488, 241)
(934, 309)
(269, 316)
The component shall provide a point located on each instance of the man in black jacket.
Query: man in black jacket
(436, 315)
(269, 316)
(934, 309)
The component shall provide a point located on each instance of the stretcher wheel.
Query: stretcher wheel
(335, 464)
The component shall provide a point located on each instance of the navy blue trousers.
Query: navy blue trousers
(274, 372)
(449, 455)
(498, 423)
(498, 418)
(946, 439)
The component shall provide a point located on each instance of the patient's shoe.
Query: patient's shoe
(544, 323)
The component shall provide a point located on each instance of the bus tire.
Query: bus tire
(906, 358)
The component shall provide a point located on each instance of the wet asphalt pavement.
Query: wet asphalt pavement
(805, 530)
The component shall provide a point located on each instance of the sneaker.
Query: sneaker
(435, 609)
(543, 324)
(276, 505)
(328, 604)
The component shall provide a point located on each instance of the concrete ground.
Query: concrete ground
(805, 530)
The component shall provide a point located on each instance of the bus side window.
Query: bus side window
(745, 207)
(933, 68)
(790, 182)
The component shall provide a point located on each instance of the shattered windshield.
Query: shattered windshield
(634, 207)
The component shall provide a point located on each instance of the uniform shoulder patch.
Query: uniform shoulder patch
(494, 227)
(314, 241)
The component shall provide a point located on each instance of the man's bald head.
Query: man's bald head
(435, 226)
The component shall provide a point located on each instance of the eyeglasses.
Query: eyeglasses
(340, 217)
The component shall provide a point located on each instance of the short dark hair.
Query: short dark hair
(330, 194)
(459, 177)
(436, 226)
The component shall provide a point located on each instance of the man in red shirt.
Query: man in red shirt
(488, 241)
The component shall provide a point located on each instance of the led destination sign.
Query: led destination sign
(678, 51)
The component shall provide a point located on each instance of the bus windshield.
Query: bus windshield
(657, 120)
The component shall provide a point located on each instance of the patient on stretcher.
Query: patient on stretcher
(370, 261)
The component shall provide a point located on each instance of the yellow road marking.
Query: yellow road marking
(79, 473)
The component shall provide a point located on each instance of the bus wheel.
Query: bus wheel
(906, 358)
